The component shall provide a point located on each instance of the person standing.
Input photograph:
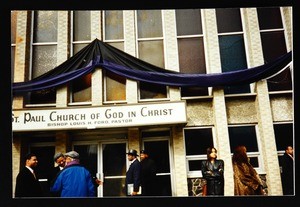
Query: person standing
(213, 172)
(246, 179)
(27, 184)
(148, 174)
(74, 180)
(288, 171)
(60, 162)
(133, 174)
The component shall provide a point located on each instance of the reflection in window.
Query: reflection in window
(233, 57)
(190, 47)
(115, 87)
(44, 52)
(272, 31)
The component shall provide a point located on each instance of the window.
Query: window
(272, 31)
(197, 140)
(114, 85)
(81, 36)
(190, 48)
(150, 49)
(232, 46)
(284, 137)
(246, 135)
(43, 53)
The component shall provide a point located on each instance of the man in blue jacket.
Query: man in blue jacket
(74, 180)
(133, 174)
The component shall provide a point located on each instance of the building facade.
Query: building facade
(183, 121)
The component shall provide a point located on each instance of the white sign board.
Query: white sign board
(100, 117)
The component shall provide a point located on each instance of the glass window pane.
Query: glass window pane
(43, 59)
(244, 135)
(228, 20)
(114, 187)
(152, 52)
(269, 18)
(43, 96)
(197, 141)
(149, 23)
(114, 153)
(45, 26)
(150, 91)
(193, 91)
(115, 87)
(88, 156)
(194, 165)
(13, 26)
(188, 21)
(118, 45)
(78, 47)
(81, 89)
(113, 25)
(191, 55)
(233, 57)
(82, 25)
(283, 135)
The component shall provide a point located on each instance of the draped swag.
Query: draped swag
(105, 56)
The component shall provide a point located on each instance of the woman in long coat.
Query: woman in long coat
(213, 171)
(246, 179)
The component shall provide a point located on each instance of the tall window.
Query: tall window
(246, 135)
(273, 44)
(232, 47)
(151, 49)
(43, 52)
(114, 85)
(190, 47)
(197, 140)
(81, 27)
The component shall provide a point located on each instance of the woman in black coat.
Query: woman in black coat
(213, 171)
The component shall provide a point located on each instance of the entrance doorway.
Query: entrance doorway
(107, 161)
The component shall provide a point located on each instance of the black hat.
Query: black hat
(143, 152)
(132, 152)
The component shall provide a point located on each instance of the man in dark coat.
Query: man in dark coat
(27, 184)
(133, 174)
(288, 171)
(148, 175)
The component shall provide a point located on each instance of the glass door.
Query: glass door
(107, 161)
(113, 169)
(159, 151)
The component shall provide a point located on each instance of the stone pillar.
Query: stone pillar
(134, 139)
(213, 62)
(62, 142)
(130, 48)
(16, 161)
(97, 76)
(179, 172)
(20, 53)
(171, 49)
(62, 51)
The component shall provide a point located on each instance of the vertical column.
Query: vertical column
(171, 48)
(134, 138)
(287, 24)
(16, 157)
(22, 33)
(62, 143)
(180, 172)
(221, 140)
(62, 50)
(97, 86)
(130, 48)
(266, 137)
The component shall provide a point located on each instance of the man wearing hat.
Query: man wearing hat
(133, 174)
(148, 174)
(74, 180)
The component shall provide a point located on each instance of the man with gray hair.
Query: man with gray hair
(74, 180)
